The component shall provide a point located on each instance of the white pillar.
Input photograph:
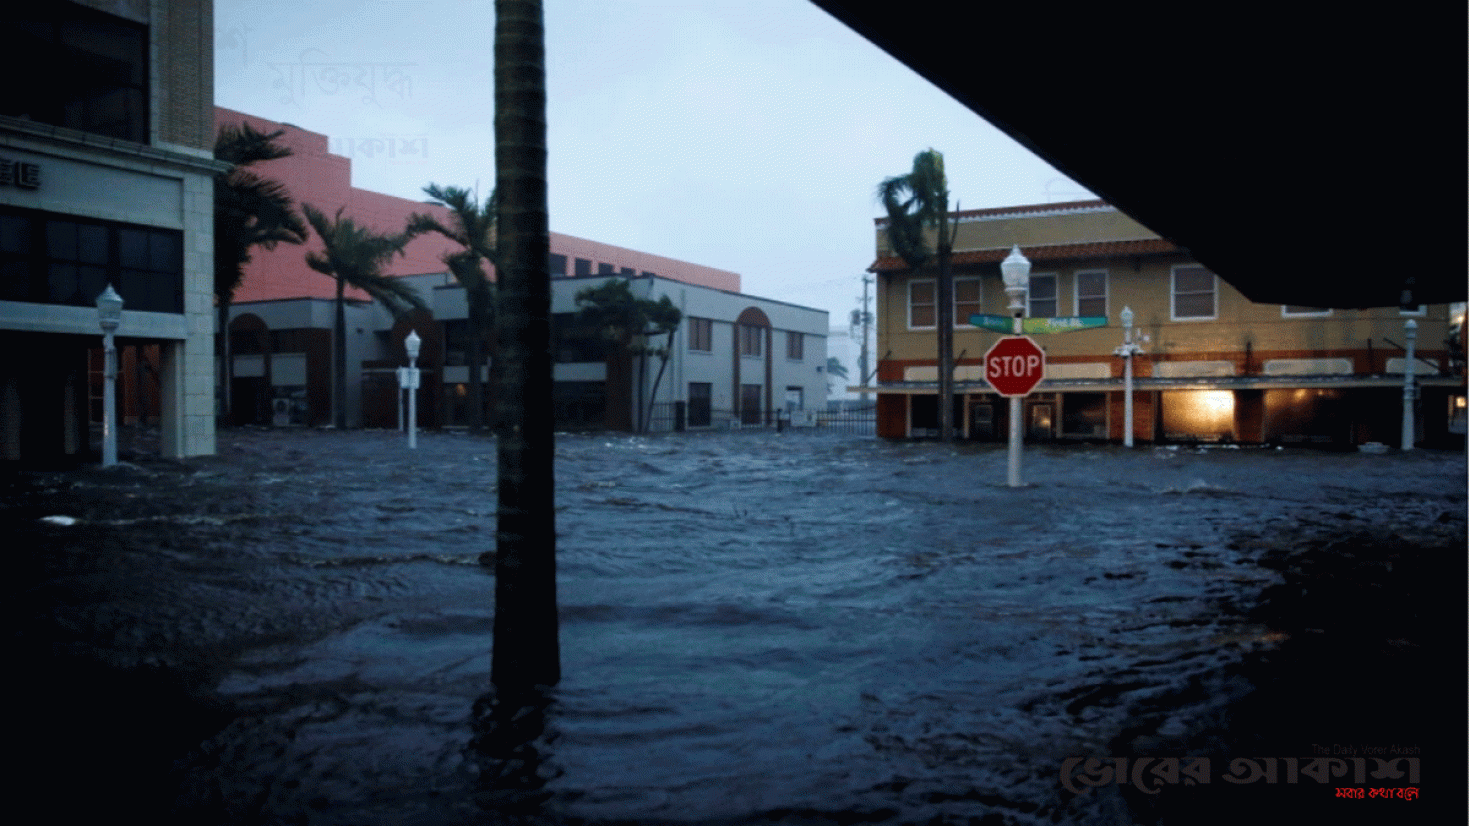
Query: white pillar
(1406, 438)
(109, 400)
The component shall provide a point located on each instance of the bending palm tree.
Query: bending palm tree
(249, 211)
(355, 256)
(472, 226)
(914, 201)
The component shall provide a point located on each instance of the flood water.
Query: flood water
(755, 627)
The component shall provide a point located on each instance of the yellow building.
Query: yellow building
(1213, 366)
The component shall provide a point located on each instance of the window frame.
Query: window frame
(750, 340)
(1078, 298)
(960, 323)
(795, 346)
(1174, 294)
(963, 321)
(1055, 295)
(932, 304)
(701, 331)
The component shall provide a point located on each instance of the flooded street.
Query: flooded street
(755, 627)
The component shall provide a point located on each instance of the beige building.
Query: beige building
(106, 177)
(1213, 366)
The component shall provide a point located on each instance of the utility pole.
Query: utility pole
(865, 318)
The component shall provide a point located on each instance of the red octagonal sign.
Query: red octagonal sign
(1014, 365)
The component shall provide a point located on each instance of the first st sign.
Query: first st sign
(1015, 365)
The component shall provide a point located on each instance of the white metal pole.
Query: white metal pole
(1013, 455)
(1014, 271)
(1128, 377)
(109, 400)
(1411, 331)
(413, 402)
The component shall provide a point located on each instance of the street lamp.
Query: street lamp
(1406, 437)
(411, 344)
(109, 317)
(1015, 273)
(1128, 350)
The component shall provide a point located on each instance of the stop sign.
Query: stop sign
(1014, 365)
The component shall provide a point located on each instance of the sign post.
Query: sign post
(1014, 367)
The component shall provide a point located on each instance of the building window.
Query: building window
(795, 399)
(966, 300)
(628, 272)
(1092, 293)
(572, 343)
(606, 269)
(750, 339)
(95, 68)
(557, 264)
(1041, 296)
(1300, 311)
(794, 346)
(750, 404)
(922, 306)
(701, 334)
(1193, 293)
(700, 394)
(61, 261)
(581, 267)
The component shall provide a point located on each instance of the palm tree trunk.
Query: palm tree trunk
(339, 360)
(226, 361)
(662, 363)
(475, 358)
(945, 324)
(526, 655)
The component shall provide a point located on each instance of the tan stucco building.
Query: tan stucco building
(1213, 367)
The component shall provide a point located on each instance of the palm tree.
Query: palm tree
(472, 226)
(355, 256)
(526, 655)
(835, 367)
(249, 211)
(627, 323)
(914, 201)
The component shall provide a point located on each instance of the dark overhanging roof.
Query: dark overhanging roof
(1307, 154)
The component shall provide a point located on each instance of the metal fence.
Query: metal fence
(667, 417)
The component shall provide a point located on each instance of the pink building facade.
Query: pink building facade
(316, 176)
(281, 327)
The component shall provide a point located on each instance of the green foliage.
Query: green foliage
(625, 320)
(355, 255)
(914, 201)
(836, 368)
(249, 210)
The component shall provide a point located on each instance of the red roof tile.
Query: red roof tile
(1052, 252)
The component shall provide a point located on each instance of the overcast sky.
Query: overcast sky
(747, 135)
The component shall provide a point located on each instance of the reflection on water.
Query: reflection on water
(754, 626)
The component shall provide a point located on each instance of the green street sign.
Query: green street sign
(1065, 324)
(998, 323)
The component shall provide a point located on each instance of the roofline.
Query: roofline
(1033, 210)
(1046, 252)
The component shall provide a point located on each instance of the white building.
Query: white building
(736, 360)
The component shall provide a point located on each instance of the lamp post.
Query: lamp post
(411, 344)
(1015, 272)
(1127, 351)
(109, 317)
(1411, 332)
